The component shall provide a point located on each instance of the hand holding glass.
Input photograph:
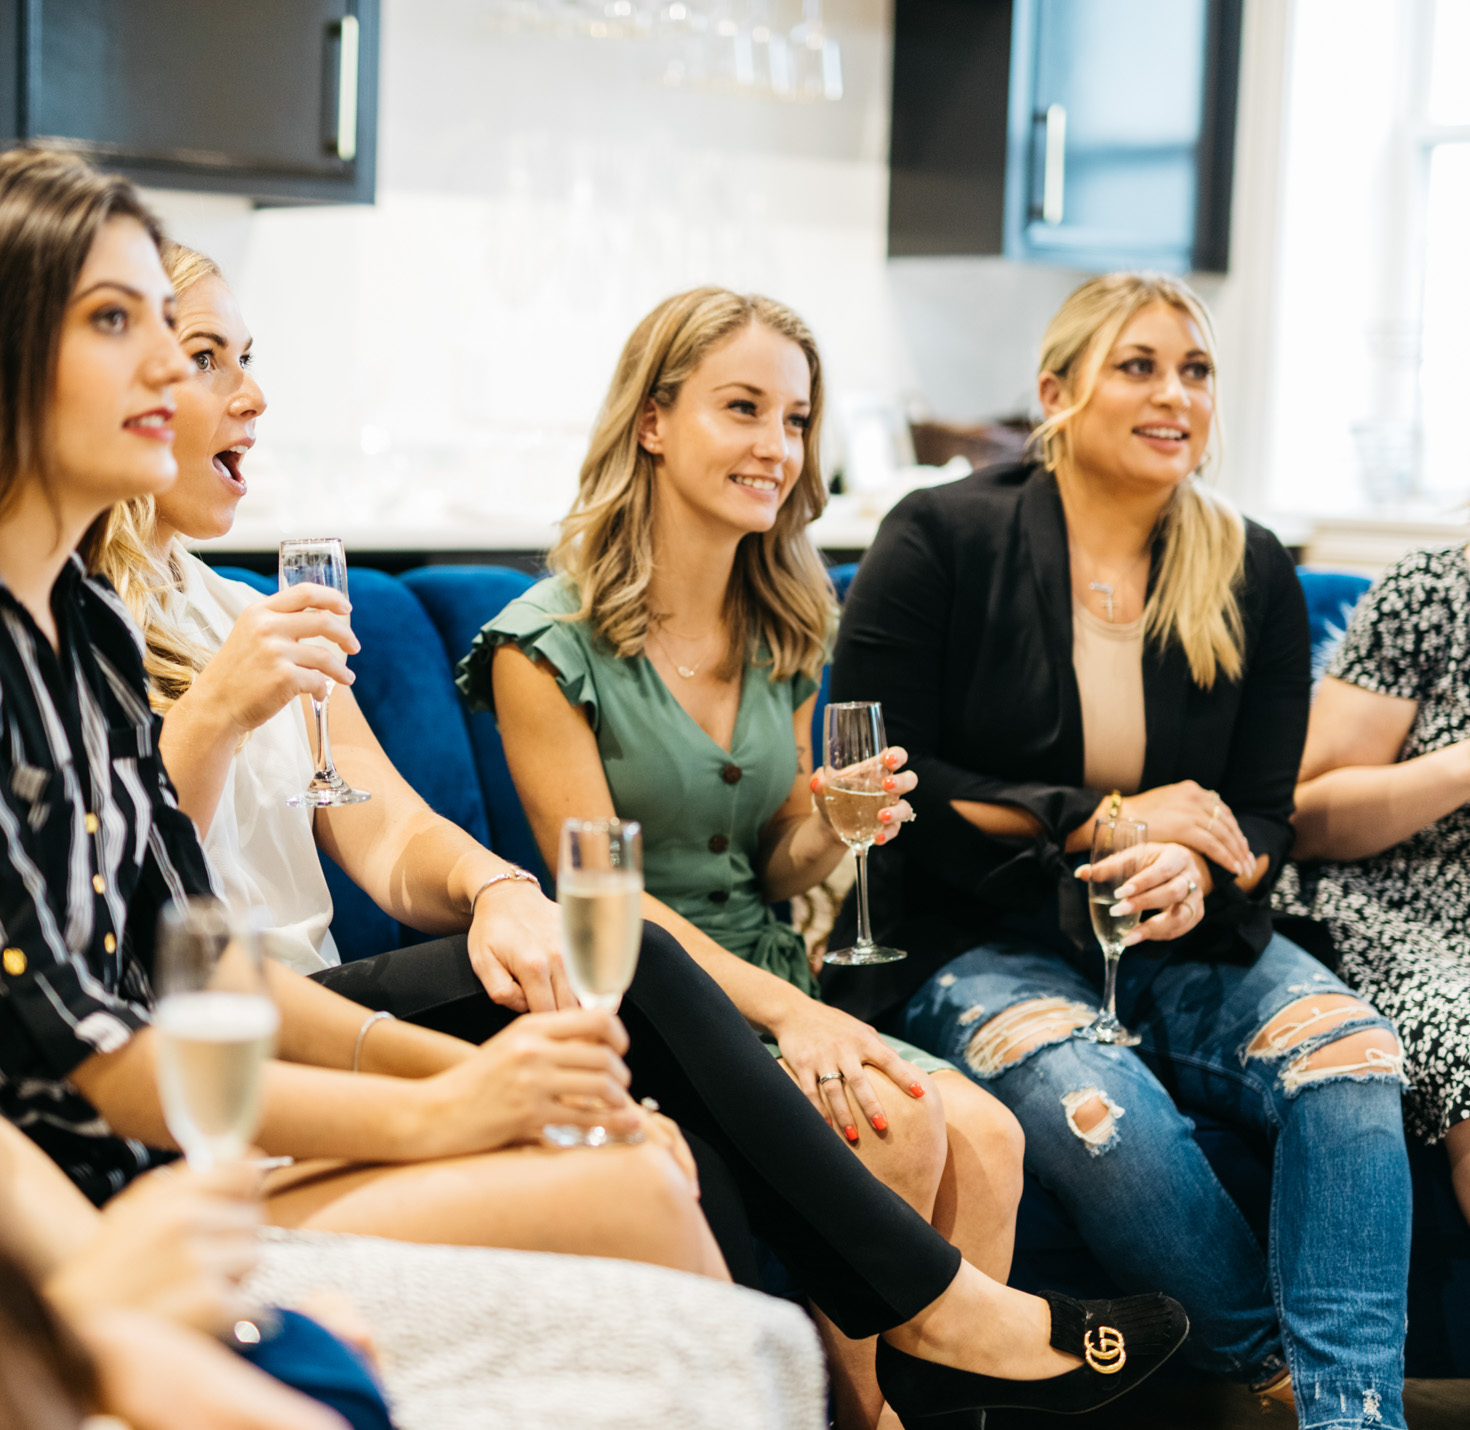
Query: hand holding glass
(599, 885)
(854, 796)
(322, 562)
(1117, 855)
(216, 1028)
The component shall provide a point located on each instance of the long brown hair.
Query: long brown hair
(779, 594)
(1202, 556)
(52, 207)
(123, 548)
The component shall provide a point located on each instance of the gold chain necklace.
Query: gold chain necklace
(688, 672)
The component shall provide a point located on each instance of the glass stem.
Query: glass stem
(324, 767)
(865, 931)
(1110, 984)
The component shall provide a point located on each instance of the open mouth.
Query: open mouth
(1175, 436)
(756, 484)
(227, 464)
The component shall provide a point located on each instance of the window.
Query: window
(1444, 137)
(1372, 378)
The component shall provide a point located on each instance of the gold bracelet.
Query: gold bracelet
(1115, 804)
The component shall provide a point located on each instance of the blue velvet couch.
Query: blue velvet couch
(415, 627)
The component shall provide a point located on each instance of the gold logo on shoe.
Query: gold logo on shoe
(1103, 1350)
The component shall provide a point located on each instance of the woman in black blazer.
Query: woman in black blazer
(1094, 635)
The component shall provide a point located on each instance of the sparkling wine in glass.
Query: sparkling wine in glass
(216, 1027)
(854, 794)
(1116, 857)
(599, 885)
(321, 561)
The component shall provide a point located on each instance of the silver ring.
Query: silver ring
(829, 1077)
(648, 1104)
(1193, 887)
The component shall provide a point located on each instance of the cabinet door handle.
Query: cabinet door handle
(1054, 165)
(341, 117)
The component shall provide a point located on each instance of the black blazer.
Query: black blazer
(960, 622)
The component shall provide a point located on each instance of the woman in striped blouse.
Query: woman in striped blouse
(92, 842)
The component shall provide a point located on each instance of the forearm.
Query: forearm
(417, 866)
(48, 1218)
(798, 856)
(1360, 810)
(198, 746)
(305, 1111)
(1001, 821)
(762, 998)
(320, 1028)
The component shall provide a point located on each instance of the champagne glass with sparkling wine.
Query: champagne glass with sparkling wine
(216, 1027)
(1117, 856)
(599, 885)
(854, 794)
(321, 561)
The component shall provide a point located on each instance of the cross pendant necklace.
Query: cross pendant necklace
(1105, 588)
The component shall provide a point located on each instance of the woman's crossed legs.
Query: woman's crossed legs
(1281, 1048)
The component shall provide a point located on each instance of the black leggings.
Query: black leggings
(858, 1249)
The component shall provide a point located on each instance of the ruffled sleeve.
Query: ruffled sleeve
(530, 623)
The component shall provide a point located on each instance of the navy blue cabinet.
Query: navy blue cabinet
(1087, 133)
(274, 99)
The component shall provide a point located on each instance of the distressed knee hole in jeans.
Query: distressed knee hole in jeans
(1370, 1052)
(1305, 1020)
(1021, 1030)
(1093, 1116)
(1330, 1041)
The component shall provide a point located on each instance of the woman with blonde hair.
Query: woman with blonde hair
(1093, 635)
(239, 663)
(667, 672)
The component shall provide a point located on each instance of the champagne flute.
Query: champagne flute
(1116, 858)
(321, 561)
(853, 749)
(216, 1027)
(599, 885)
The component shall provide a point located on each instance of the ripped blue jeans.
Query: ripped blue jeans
(1329, 1294)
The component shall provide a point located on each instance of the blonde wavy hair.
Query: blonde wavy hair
(122, 548)
(1202, 559)
(779, 595)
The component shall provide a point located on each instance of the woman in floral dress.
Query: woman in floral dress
(1383, 829)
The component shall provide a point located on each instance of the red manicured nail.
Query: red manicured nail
(880, 1123)
(882, 837)
(816, 783)
(889, 783)
(851, 1133)
(886, 815)
(916, 1089)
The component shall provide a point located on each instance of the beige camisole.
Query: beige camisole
(1108, 661)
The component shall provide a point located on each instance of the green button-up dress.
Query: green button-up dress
(702, 807)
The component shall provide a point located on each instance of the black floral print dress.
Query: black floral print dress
(1400, 921)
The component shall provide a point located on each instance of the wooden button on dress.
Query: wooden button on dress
(719, 897)
(731, 774)
(718, 843)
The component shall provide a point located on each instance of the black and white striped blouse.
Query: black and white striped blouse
(92, 843)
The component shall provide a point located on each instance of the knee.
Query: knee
(1323, 1037)
(918, 1136)
(1366, 1053)
(1022, 1029)
(661, 1219)
(991, 1128)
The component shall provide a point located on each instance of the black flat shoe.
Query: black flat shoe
(1120, 1343)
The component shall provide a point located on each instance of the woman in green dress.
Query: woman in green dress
(667, 673)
